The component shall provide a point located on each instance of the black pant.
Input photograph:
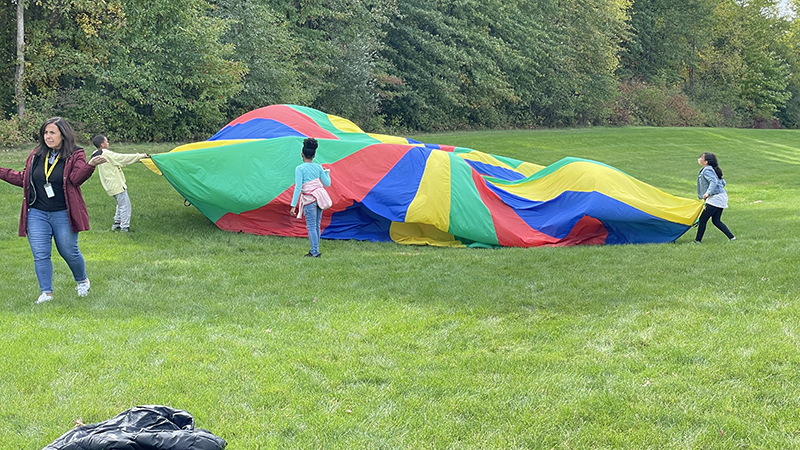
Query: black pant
(715, 214)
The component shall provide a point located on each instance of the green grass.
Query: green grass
(383, 346)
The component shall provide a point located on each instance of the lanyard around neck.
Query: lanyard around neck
(48, 169)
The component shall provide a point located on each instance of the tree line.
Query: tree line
(180, 69)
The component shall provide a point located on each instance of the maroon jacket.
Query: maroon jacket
(76, 171)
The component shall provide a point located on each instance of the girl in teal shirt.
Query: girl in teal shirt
(309, 179)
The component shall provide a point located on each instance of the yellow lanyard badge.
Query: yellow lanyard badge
(48, 169)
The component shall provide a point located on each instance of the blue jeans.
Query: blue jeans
(313, 215)
(43, 228)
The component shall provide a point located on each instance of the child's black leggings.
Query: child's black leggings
(715, 214)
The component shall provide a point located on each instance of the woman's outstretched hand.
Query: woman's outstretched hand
(99, 159)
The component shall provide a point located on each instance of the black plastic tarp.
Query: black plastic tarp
(141, 428)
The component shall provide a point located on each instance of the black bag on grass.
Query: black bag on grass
(141, 428)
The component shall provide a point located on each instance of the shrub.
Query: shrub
(640, 103)
(15, 131)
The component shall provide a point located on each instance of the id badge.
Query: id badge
(48, 189)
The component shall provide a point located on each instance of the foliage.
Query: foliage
(8, 57)
(170, 78)
(138, 71)
(667, 42)
(587, 36)
(789, 115)
(267, 49)
(492, 63)
(640, 103)
(449, 70)
(353, 91)
(65, 41)
(16, 131)
(180, 69)
(379, 345)
(338, 61)
(731, 58)
(761, 76)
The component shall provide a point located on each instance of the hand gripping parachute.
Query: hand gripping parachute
(388, 188)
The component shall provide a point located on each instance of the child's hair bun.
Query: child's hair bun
(310, 143)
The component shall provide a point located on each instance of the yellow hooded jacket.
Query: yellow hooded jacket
(111, 176)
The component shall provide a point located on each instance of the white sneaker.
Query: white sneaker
(83, 288)
(45, 297)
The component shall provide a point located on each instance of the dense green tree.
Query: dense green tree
(169, 79)
(588, 36)
(447, 65)
(743, 69)
(19, 72)
(64, 40)
(8, 26)
(179, 69)
(667, 38)
(728, 56)
(338, 60)
(488, 63)
(264, 45)
(135, 69)
(789, 114)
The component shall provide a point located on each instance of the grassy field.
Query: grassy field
(383, 346)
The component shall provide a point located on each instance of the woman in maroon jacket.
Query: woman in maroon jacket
(53, 207)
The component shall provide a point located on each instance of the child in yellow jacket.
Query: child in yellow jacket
(113, 180)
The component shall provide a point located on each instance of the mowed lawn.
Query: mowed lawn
(384, 346)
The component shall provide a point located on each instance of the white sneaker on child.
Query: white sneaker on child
(83, 288)
(45, 297)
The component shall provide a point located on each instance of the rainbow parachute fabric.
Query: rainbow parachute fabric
(387, 188)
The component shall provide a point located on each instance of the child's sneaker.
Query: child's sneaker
(732, 239)
(115, 227)
(83, 288)
(45, 297)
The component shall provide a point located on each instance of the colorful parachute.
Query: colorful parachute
(387, 188)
